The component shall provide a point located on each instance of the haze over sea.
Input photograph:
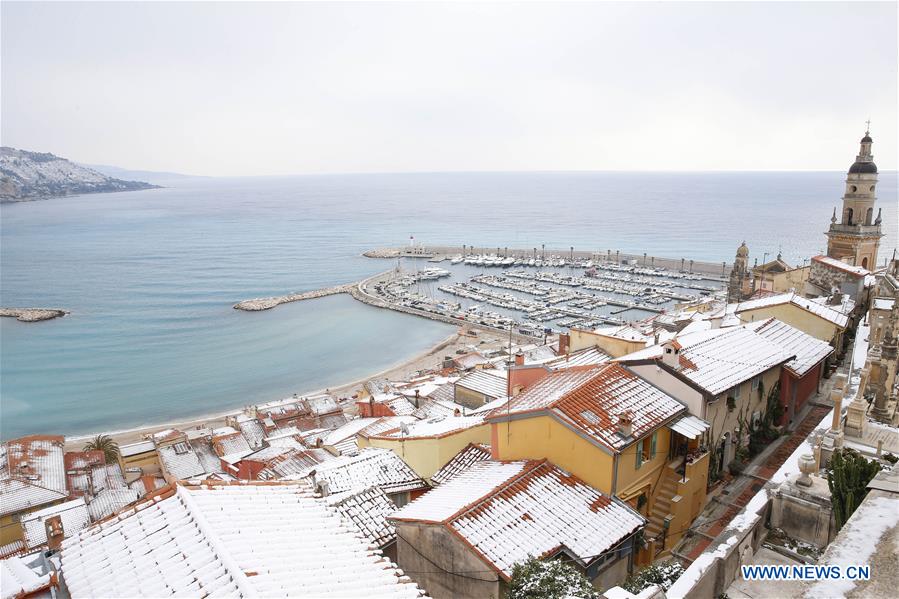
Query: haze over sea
(150, 276)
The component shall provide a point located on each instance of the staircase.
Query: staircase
(661, 507)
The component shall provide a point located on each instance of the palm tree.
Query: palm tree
(105, 444)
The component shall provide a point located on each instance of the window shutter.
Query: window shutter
(639, 447)
(652, 445)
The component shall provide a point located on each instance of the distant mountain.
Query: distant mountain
(157, 177)
(33, 175)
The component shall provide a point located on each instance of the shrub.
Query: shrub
(539, 579)
(662, 574)
(848, 476)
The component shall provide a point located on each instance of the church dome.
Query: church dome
(863, 168)
(867, 139)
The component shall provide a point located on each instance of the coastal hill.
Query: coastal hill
(28, 175)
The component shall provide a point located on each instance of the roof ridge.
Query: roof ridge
(529, 466)
(599, 370)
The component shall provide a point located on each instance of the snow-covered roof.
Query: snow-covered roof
(252, 431)
(625, 332)
(856, 271)
(883, 303)
(293, 462)
(73, 514)
(18, 579)
(718, 359)
(32, 473)
(371, 467)
(507, 511)
(347, 431)
(489, 383)
(591, 401)
(229, 443)
(384, 424)
(440, 426)
(470, 360)
(368, 511)
(180, 460)
(809, 350)
(821, 310)
(322, 404)
(87, 473)
(109, 501)
(132, 449)
(462, 461)
(590, 356)
(227, 541)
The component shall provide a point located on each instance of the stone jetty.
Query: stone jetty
(267, 303)
(32, 314)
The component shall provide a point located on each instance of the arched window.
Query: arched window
(853, 188)
(869, 215)
(872, 188)
(848, 216)
(865, 262)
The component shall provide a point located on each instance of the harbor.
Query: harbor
(531, 295)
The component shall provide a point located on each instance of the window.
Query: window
(652, 445)
(639, 452)
(181, 448)
(735, 392)
(756, 380)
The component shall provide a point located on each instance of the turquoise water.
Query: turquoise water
(150, 277)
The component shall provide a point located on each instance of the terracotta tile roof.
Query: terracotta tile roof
(856, 271)
(591, 401)
(485, 382)
(371, 467)
(294, 462)
(470, 455)
(247, 540)
(718, 359)
(32, 473)
(74, 515)
(507, 511)
(368, 511)
(433, 428)
(590, 356)
(809, 350)
(19, 579)
(820, 310)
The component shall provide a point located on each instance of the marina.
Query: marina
(533, 295)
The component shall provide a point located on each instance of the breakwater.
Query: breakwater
(267, 303)
(32, 314)
(437, 253)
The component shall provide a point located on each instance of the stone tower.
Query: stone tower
(738, 285)
(856, 237)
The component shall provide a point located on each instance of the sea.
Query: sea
(150, 277)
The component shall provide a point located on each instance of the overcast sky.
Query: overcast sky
(258, 89)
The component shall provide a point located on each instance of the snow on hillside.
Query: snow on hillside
(32, 175)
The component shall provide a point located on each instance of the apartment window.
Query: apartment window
(639, 452)
(735, 392)
(652, 445)
(756, 381)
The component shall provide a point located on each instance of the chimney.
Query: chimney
(322, 487)
(626, 423)
(671, 354)
(564, 343)
(519, 359)
(55, 533)
(457, 412)
(837, 298)
(417, 398)
(149, 483)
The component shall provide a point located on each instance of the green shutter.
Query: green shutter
(639, 446)
(652, 445)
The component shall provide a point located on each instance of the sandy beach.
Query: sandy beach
(427, 360)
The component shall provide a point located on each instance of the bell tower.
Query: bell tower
(854, 237)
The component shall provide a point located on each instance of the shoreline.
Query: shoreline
(396, 371)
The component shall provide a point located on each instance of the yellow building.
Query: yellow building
(619, 434)
(427, 445)
(819, 320)
(616, 341)
(137, 459)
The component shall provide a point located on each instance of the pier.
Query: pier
(32, 314)
(714, 271)
(267, 303)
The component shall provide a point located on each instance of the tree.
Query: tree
(662, 574)
(539, 579)
(848, 476)
(105, 444)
